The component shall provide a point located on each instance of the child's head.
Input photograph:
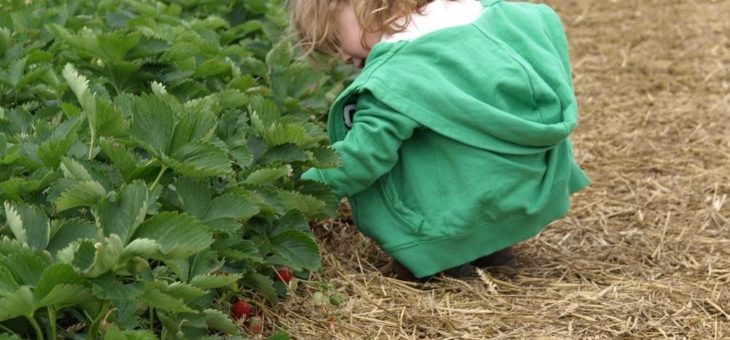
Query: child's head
(349, 28)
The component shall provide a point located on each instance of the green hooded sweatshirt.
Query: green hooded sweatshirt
(456, 144)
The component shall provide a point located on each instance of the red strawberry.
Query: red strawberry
(241, 309)
(255, 325)
(284, 275)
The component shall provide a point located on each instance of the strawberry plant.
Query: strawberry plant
(149, 156)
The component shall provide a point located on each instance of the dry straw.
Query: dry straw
(645, 251)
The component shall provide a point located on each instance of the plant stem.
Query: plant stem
(36, 327)
(114, 80)
(159, 176)
(91, 147)
(52, 323)
(152, 318)
(94, 328)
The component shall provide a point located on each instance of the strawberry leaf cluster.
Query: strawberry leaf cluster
(149, 161)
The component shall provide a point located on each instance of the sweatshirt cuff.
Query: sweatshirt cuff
(316, 175)
(313, 174)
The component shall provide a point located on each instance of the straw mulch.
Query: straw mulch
(645, 250)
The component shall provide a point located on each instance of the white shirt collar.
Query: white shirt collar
(438, 15)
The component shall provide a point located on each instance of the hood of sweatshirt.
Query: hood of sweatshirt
(500, 83)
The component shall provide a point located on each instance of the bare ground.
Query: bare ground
(645, 250)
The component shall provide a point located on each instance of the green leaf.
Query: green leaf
(231, 206)
(216, 319)
(298, 249)
(280, 335)
(125, 103)
(255, 67)
(231, 99)
(63, 295)
(16, 187)
(283, 153)
(306, 204)
(116, 45)
(212, 68)
(121, 215)
(280, 134)
(296, 81)
(93, 259)
(211, 23)
(212, 281)
(120, 156)
(194, 195)
(26, 267)
(8, 283)
(280, 55)
(324, 193)
(193, 126)
(125, 315)
(29, 224)
(37, 76)
(72, 168)
(54, 275)
(184, 291)
(205, 262)
(110, 120)
(83, 194)
(153, 124)
(3, 139)
(5, 39)
(158, 299)
(80, 86)
(107, 287)
(114, 333)
(262, 284)
(80, 254)
(69, 232)
(19, 303)
(16, 71)
(200, 159)
(143, 247)
(170, 323)
(178, 235)
(292, 220)
(239, 250)
(264, 112)
(9, 246)
(243, 156)
(268, 176)
(60, 142)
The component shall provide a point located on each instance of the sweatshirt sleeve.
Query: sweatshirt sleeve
(557, 34)
(370, 148)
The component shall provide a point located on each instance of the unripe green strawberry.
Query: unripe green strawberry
(336, 299)
(255, 325)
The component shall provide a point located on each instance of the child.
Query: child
(454, 138)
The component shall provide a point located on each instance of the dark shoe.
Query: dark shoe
(398, 271)
(402, 273)
(463, 271)
(502, 258)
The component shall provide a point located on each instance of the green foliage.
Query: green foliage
(149, 161)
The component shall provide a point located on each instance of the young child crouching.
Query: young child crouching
(455, 136)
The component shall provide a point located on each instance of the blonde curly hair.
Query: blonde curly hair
(315, 20)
